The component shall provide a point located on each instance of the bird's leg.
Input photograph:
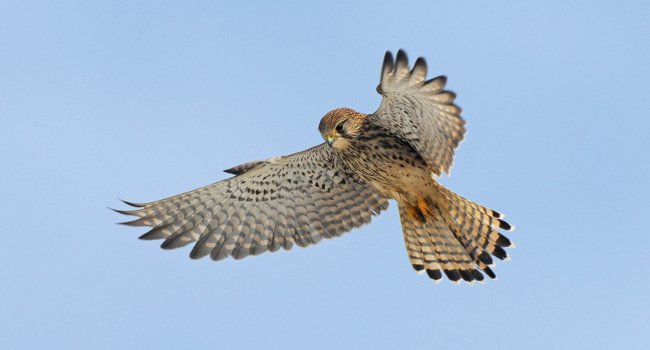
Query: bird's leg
(424, 206)
(415, 212)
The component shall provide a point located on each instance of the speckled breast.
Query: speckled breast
(388, 162)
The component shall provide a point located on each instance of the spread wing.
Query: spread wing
(272, 204)
(419, 111)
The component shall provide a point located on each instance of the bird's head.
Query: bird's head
(340, 126)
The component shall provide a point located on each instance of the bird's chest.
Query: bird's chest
(389, 164)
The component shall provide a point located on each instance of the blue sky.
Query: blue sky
(142, 100)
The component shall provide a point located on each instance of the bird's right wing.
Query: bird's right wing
(269, 205)
(419, 111)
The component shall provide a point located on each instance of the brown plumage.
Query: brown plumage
(394, 153)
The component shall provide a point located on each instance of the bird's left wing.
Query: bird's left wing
(272, 204)
(419, 111)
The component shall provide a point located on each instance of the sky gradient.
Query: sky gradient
(142, 100)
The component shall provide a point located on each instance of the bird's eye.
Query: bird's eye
(339, 128)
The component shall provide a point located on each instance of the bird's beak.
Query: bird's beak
(330, 139)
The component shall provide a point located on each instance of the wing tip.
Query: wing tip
(440, 82)
(233, 171)
(388, 64)
(125, 212)
(401, 59)
(420, 65)
(132, 223)
(133, 204)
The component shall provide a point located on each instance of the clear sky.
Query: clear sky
(143, 99)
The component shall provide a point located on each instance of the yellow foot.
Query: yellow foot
(415, 213)
(424, 207)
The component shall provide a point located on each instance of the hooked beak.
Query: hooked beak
(330, 139)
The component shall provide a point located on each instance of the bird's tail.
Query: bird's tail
(449, 234)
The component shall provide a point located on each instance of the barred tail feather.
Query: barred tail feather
(433, 248)
(453, 236)
(476, 228)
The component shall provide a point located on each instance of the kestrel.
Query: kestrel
(394, 153)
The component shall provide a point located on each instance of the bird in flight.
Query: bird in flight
(394, 153)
